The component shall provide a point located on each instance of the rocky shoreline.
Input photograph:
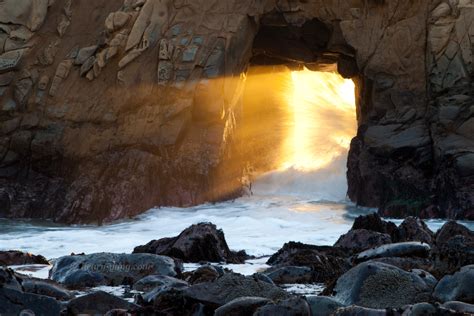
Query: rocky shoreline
(376, 268)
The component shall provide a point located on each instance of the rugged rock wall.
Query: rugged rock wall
(108, 108)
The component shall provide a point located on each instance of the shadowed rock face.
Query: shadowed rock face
(108, 108)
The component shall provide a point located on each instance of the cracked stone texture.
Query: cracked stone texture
(150, 116)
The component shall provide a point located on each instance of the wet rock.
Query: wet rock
(152, 282)
(360, 311)
(454, 248)
(361, 239)
(14, 257)
(373, 222)
(403, 249)
(456, 287)
(290, 275)
(97, 303)
(414, 229)
(326, 262)
(294, 306)
(110, 268)
(13, 302)
(47, 289)
(323, 305)
(202, 274)
(200, 242)
(241, 306)
(378, 285)
(231, 286)
(459, 307)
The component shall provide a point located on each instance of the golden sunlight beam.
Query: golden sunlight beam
(322, 108)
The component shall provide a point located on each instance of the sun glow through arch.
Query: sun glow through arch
(322, 107)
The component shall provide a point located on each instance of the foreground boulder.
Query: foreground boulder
(97, 303)
(403, 249)
(456, 287)
(231, 286)
(110, 269)
(362, 239)
(15, 257)
(378, 285)
(454, 248)
(197, 243)
(326, 263)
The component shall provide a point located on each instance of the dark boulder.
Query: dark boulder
(167, 284)
(459, 307)
(241, 306)
(97, 303)
(206, 273)
(403, 249)
(378, 285)
(13, 302)
(9, 279)
(326, 262)
(323, 305)
(174, 301)
(14, 257)
(374, 223)
(294, 306)
(197, 243)
(456, 287)
(454, 248)
(231, 286)
(46, 288)
(110, 269)
(407, 263)
(361, 239)
(151, 282)
(290, 275)
(415, 229)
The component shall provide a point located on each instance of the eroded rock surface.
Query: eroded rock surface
(110, 108)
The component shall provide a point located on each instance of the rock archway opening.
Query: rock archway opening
(297, 126)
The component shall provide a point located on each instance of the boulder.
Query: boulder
(241, 306)
(326, 262)
(231, 286)
(206, 273)
(361, 239)
(414, 229)
(200, 242)
(110, 268)
(97, 303)
(451, 229)
(168, 286)
(407, 263)
(14, 302)
(290, 275)
(322, 305)
(46, 288)
(30, 13)
(9, 279)
(379, 285)
(456, 287)
(459, 307)
(292, 306)
(152, 282)
(402, 249)
(14, 257)
(360, 311)
(373, 222)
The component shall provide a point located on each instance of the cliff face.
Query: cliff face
(110, 108)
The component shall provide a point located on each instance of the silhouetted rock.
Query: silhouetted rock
(373, 222)
(323, 305)
(14, 257)
(450, 230)
(294, 306)
(97, 303)
(9, 279)
(202, 274)
(456, 287)
(403, 249)
(378, 285)
(362, 239)
(241, 306)
(327, 263)
(197, 243)
(415, 229)
(110, 268)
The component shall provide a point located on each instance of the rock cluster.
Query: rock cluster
(405, 278)
(108, 108)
